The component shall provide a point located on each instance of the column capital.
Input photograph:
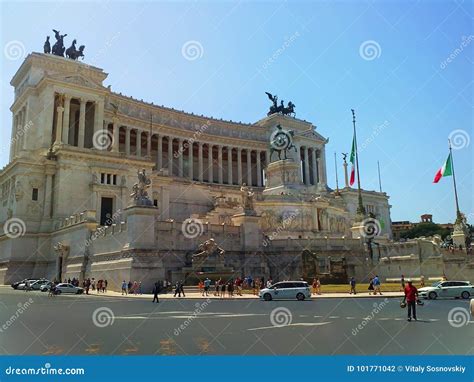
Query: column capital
(60, 109)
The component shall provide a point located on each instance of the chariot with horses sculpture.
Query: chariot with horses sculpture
(59, 48)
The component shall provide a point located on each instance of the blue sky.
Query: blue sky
(405, 67)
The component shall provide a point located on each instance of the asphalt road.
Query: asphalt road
(113, 325)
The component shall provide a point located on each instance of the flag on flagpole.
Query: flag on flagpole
(352, 160)
(445, 170)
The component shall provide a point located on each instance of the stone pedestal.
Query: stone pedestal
(250, 232)
(283, 177)
(140, 227)
(459, 238)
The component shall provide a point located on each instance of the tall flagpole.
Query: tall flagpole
(380, 180)
(337, 180)
(458, 212)
(360, 207)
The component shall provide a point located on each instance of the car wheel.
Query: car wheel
(432, 295)
(58, 292)
(300, 296)
(267, 297)
(465, 295)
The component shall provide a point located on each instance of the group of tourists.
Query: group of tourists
(229, 288)
(131, 288)
(93, 285)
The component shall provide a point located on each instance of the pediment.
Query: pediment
(76, 79)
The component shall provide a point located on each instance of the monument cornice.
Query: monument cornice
(59, 64)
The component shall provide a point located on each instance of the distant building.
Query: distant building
(401, 226)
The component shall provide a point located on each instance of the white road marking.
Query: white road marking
(296, 324)
(333, 316)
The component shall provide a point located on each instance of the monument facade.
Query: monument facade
(71, 204)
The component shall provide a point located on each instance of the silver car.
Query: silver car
(286, 290)
(67, 288)
(447, 289)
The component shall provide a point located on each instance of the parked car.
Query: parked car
(65, 288)
(286, 290)
(38, 284)
(23, 282)
(34, 284)
(447, 289)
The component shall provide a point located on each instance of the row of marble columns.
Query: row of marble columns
(313, 161)
(244, 175)
(63, 119)
(312, 174)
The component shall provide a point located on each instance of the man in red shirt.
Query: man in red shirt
(411, 294)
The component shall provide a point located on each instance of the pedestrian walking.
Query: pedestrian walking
(318, 285)
(422, 281)
(411, 295)
(314, 285)
(218, 285)
(104, 286)
(124, 287)
(88, 285)
(352, 283)
(223, 290)
(156, 290)
(201, 287)
(371, 286)
(230, 288)
(377, 285)
(207, 285)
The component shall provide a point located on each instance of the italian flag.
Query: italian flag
(445, 170)
(352, 160)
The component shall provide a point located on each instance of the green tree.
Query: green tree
(425, 229)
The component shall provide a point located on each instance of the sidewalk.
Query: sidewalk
(197, 295)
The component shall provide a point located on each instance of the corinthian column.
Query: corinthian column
(239, 165)
(219, 160)
(315, 166)
(180, 157)
(67, 108)
(190, 160)
(259, 170)
(229, 166)
(170, 156)
(201, 166)
(210, 165)
(59, 124)
(115, 139)
(306, 167)
(249, 167)
(82, 122)
(127, 141)
(159, 157)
